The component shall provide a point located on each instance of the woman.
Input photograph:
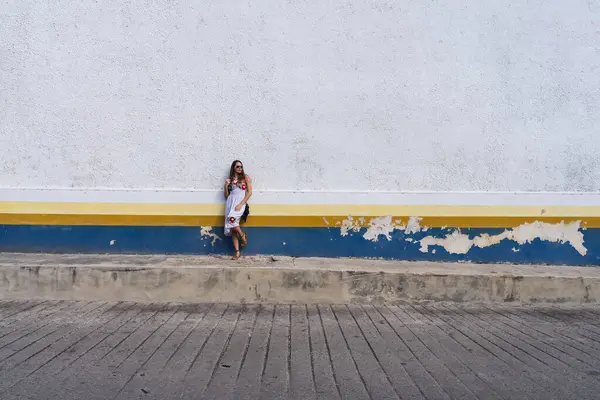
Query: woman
(238, 189)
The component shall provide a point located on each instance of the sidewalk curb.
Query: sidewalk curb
(287, 280)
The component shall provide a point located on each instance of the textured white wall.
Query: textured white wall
(338, 95)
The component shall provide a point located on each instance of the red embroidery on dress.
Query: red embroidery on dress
(243, 186)
(232, 219)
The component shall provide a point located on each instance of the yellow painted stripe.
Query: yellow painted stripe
(279, 215)
(272, 221)
(294, 209)
(111, 208)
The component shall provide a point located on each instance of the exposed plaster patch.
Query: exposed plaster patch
(380, 226)
(325, 220)
(563, 233)
(112, 242)
(351, 224)
(455, 243)
(413, 225)
(347, 225)
(206, 232)
(515, 250)
(459, 243)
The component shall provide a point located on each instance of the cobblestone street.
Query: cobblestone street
(100, 350)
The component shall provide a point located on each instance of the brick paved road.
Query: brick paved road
(98, 350)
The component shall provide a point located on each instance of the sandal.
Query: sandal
(237, 255)
(243, 240)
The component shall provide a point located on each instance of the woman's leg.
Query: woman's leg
(236, 243)
(241, 235)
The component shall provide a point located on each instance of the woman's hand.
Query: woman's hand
(227, 182)
(238, 208)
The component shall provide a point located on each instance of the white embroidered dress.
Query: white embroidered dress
(232, 217)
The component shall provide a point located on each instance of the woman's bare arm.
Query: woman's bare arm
(226, 188)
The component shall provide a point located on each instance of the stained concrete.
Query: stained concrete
(287, 280)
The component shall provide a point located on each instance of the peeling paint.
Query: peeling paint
(455, 243)
(325, 220)
(351, 224)
(207, 232)
(459, 243)
(413, 225)
(348, 225)
(380, 226)
(563, 233)
(112, 242)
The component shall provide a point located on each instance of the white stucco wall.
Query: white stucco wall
(457, 95)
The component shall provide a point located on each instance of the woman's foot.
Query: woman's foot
(243, 239)
(236, 255)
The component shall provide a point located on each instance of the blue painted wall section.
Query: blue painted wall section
(302, 242)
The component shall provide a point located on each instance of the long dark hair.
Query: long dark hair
(232, 171)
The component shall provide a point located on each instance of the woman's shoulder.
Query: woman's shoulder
(247, 177)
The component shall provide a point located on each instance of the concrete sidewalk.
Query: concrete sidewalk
(287, 280)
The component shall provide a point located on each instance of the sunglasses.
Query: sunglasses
(239, 167)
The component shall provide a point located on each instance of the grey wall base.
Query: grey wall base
(131, 278)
